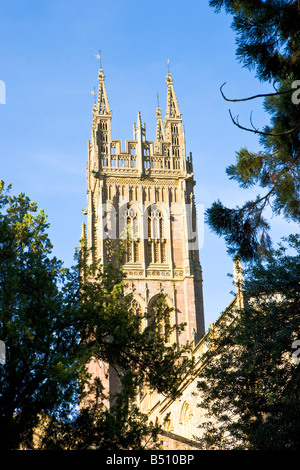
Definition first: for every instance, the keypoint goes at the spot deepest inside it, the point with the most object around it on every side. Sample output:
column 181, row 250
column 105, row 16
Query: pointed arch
column 185, row 420
column 161, row 314
column 156, row 234
column 129, row 230
column 136, row 309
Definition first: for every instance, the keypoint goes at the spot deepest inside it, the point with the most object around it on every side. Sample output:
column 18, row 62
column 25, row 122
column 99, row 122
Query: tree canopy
column 36, row 324
column 54, row 321
column 249, row 383
column 268, row 41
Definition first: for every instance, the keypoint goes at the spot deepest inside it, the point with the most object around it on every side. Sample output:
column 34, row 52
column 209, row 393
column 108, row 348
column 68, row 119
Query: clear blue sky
column 49, row 67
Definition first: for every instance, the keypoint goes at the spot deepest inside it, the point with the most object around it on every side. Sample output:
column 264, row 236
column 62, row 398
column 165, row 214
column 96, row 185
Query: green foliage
column 55, row 323
column 268, row 40
column 267, row 35
column 133, row 347
column 247, row 169
column 250, row 379
column 36, row 325
column 244, row 230
column 128, row 340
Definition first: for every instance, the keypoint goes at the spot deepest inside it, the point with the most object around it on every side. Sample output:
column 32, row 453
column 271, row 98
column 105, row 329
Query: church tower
column 148, row 187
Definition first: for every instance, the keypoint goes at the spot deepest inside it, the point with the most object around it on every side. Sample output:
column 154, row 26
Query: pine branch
column 265, row 199
column 262, row 95
column 256, row 131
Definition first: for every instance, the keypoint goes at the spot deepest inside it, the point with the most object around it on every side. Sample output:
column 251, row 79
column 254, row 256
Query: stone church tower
column 148, row 187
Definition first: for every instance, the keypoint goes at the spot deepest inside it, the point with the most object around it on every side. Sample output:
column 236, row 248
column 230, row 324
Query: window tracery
column 130, row 225
column 156, row 236
column 159, row 317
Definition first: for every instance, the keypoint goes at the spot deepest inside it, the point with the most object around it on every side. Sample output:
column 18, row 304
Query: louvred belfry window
column 156, row 237
column 130, row 229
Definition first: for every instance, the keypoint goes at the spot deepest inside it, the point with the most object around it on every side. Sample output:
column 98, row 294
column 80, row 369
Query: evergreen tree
column 54, row 321
column 135, row 348
column 268, row 40
column 127, row 339
column 249, row 383
column 39, row 376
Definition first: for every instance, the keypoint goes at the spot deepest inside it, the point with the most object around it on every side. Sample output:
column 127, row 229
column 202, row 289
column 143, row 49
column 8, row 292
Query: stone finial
column 160, row 131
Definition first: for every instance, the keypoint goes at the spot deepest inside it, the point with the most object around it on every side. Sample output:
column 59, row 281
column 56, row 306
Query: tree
column 249, row 382
column 268, row 40
column 37, row 326
column 54, row 321
column 136, row 351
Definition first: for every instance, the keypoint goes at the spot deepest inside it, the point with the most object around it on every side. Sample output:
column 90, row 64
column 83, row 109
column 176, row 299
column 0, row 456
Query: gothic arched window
column 174, row 128
column 129, row 229
column 133, row 162
column 103, row 149
column 135, row 307
column 176, row 164
column 156, row 236
column 160, row 319
column 103, row 125
column 186, row 419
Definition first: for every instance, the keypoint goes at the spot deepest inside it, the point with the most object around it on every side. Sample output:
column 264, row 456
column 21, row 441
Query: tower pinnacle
column 103, row 105
column 160, row 130
column 172, row 103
